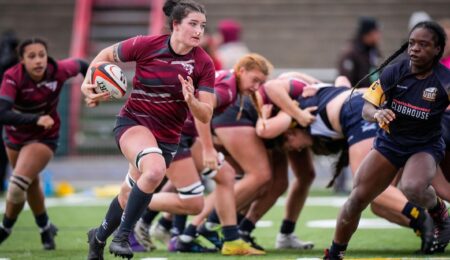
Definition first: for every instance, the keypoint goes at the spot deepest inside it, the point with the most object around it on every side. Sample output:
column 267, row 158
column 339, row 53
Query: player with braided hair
column 408, row 102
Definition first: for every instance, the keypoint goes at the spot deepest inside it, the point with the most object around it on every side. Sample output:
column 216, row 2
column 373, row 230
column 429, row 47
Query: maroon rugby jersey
column 295, row 90
column 157, row 100
column 36, row 98
column 225, row 89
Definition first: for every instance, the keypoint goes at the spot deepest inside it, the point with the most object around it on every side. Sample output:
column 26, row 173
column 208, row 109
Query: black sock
column 415, row 214
column 230, row 233
column 287, row 227
column 166, row 223
column 178, row 223
column 111, row 221
column 337, row 250
column 8, row 222
column 240, row 217
column 439, row 212
column 189, row 233
column 148, row 216
column 41, row 220
column 137, row 202
column 213, row 217
column 191, row 230
column 246, row 226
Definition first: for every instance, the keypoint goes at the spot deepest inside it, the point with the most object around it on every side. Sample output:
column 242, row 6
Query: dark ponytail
column 384, row 64
column 177, row 10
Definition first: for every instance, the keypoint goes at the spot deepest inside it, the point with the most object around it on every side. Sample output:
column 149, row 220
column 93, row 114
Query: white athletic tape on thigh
column 194, row 190
column 129, row 180
column 145, row 152
column 210, row 173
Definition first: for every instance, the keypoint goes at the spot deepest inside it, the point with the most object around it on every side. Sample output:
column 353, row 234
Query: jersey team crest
column 429, row 94
column 187, row 65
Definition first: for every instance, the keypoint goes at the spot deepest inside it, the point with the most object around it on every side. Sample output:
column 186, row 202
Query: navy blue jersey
column 323, row 96
column 417, row 103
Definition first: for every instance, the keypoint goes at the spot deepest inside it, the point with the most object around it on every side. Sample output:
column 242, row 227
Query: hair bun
column 169, row 5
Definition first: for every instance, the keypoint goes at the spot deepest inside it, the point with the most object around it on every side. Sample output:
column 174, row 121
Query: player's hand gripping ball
column 109, row 78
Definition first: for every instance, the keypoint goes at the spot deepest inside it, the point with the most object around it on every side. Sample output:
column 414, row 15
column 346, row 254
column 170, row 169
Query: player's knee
column 226, row 176
column 356, row 203
column 308, row 177
column 193, row 193
column 259, row 179
column 17, row 189
column 154, row 176
column 412, row 191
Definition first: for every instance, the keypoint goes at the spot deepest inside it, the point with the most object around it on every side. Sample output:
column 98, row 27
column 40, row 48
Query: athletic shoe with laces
column 328, row 256
column 134, row 244
column 212, row 236
column 427, row 235
column 95, row 247
column 142, row 235
column 48, row 237
column 442, row 233
column 250, row 239
column 191, row 247
column 291, row 241
column 4, row 233
column 239, row 247
column 160, row 233
column 120, row 246
column 172, row 247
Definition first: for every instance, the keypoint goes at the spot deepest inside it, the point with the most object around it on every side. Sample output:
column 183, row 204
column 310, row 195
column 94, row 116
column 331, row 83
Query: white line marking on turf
column 333, row 201
column 264, row 223
column 364, row 223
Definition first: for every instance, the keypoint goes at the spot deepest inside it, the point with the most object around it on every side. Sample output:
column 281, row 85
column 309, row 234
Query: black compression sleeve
column 9, row 117
column 83, row 66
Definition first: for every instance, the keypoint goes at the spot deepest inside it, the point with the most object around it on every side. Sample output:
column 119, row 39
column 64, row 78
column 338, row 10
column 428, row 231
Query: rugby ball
column 109, row 78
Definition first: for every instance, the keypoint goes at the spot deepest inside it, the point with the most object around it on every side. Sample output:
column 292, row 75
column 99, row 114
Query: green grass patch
column 74, row 222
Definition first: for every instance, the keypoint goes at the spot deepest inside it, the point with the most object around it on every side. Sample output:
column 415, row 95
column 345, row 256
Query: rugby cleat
column 48, row 237
column 95, row 247
column 4, row 233
column 212, row 236
column 427, row 235
column 291, row 241
column 160, row 233
column 142, row 235
column 328, row 256
column 250, row 239
column 120, row 246
column 239, row 247
column 176, row 245
column 442, row 233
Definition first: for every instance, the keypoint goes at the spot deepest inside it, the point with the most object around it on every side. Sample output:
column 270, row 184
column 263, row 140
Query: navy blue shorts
column 229, row 117
column 354, row 127
column 398, row 154
column 184, row 148
column 124, row 123
column 445, row 123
